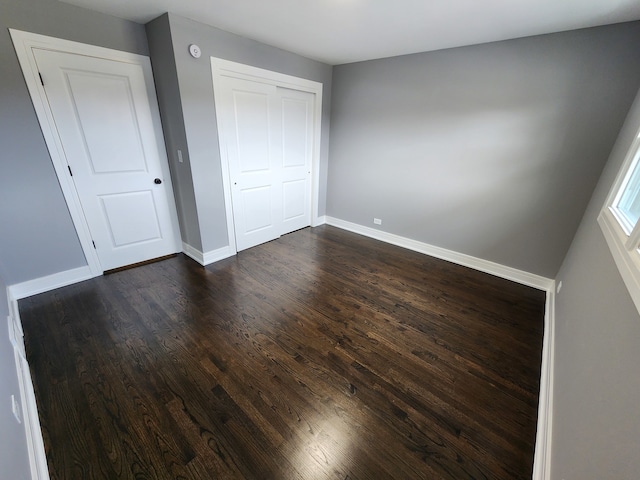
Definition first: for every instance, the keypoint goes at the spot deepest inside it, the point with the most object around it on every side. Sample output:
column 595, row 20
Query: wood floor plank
column 322, row 354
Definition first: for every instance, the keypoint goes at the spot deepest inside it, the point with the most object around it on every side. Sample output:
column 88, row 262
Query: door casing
column 224, row 68
column 24, row 43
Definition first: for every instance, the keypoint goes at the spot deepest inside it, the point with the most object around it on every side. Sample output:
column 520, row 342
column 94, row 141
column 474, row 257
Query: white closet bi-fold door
column 268, row 133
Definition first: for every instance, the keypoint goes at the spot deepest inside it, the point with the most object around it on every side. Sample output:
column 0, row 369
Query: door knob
column 157, row 181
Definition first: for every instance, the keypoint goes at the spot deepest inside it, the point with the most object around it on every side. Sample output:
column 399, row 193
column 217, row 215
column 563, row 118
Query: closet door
column 268, row 133
column 250, row 125
column 296, row 145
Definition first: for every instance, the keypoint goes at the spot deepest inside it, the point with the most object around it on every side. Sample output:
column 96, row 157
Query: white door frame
column 24, row 43
column 225, row 68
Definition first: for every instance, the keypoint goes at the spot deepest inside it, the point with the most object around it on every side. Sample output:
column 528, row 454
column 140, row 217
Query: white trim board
column 225, row 68
column 321, row 221
column 207, row 258
column 62, row 279
column 502, row 271
column 31, row 420
column 50, row 282
column 542, row 455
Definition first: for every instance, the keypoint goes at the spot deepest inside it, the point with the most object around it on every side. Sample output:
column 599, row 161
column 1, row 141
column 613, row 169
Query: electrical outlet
column 377, row 221
column 15, row 408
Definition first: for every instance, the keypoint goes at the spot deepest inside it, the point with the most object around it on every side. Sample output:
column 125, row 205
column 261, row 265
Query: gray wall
column 596, row 422
column 170, row 104
column 490, row 150
column 37, row 237
column 196, row 94
column 14, row 459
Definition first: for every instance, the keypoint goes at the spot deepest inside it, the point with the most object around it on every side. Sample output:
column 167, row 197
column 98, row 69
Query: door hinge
column 41, row 80
column 94, row 245
column 70, row 172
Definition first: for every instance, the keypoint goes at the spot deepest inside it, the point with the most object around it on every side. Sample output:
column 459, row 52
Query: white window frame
column 624, row 239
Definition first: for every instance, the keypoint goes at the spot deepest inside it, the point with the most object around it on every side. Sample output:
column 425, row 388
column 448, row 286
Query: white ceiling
column 344, row 31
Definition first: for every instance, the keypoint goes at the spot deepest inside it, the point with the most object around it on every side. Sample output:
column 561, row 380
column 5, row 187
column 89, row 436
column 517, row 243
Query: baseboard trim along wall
column 207, row 258
column 542, row 456
column 50, row 282
column 502, row 271
column 26, row 289
column 321, row 220
column 31, row 421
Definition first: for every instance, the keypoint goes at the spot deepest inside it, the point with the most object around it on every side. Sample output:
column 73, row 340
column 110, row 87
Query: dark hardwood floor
column 323, row 354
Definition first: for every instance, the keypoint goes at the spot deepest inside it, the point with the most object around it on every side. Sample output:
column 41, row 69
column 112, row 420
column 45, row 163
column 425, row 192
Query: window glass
column 628, row 204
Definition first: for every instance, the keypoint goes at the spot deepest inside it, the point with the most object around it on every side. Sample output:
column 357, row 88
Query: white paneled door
column 268, row 132
column 104, row 119
column 296, row 144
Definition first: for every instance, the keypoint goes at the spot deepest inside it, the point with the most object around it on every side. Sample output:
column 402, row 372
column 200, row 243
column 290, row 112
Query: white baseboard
column 542, row 457
column 50, row 282
column 319, row 221
column 31, row 420
column 217, row 255
column 68, row 277
column 502, row 271
column 207, row 258
column 193, row 253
